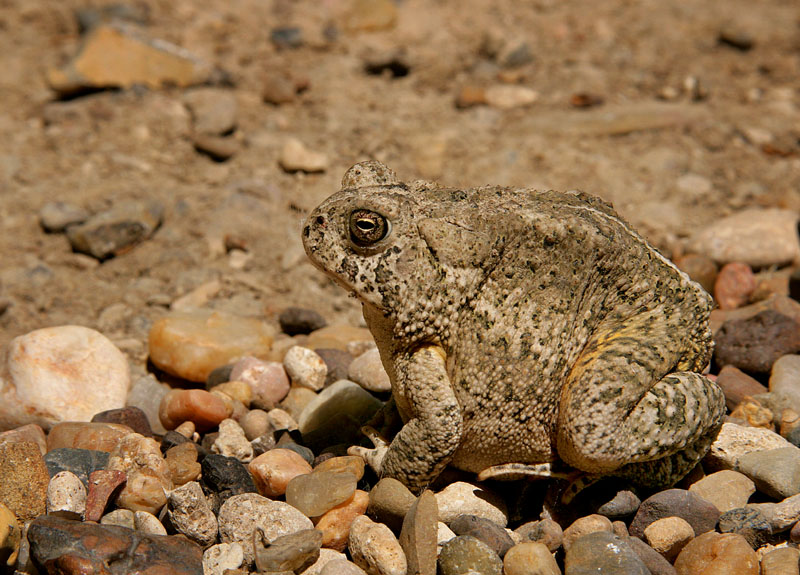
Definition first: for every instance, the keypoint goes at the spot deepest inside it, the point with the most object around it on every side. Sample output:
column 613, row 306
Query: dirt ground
column 697, row 116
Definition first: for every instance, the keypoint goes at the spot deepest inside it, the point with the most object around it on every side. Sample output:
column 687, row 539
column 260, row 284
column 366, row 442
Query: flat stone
column 375, row 549
column 726, row 489
column 783, row 379
column 781, row 561
column 130, row 416
column 734, row 441
column 775, row 472
column 466, row 554
column 699, row 513
column 781, row 516
column 316, row 493
column 81, row 462
column 218, row 148
column 23, row 488
column 747, row 522
column 294, row 552
column 86, row 435
column 343, row 397
column 341, row 567
column 30, row 432
column 389, row 502
column 717, row 553
column 602, row 552
column 419, row 533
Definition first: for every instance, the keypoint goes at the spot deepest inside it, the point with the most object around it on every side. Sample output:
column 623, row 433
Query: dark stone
column 602, row 552
column 286, row 37
column 221, row 374
column 171, row 439
column 337, row 362
column 794, row 285
column 392, row 64
column 702, row 515
column 218, row 148
column 651, row 558
column 753, row 344
column 81, row 462
column 738, row 39
column 293, row 552
column 747, row 522
column 298, row 320
column 341, row 428
column 301, row 450
column 624, row 504
column 64, row 547
column 226, row 476
column 484, row 529
column 131, row 416
column 546, row 531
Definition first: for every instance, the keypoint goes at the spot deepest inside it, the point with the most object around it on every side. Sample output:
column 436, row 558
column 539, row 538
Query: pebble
column 23, row 488
column 461, row 498
column 298, row 320
column 143, row 491
column 190, row 514
column 294, row 552
column 342, row 397
column 347, row 338
column 182, row 462
column 509, row 96
column 624, row 504
column 148, row 523
column 747, row 522
column 602, row 552
column 781, row 516
column 213, row 110
column 755, row 343
column 218, row 148
column 694, row 185
column 389, row 502
column 148, row 474
column 668, row 536
column 736, row 385
column 223, row 556
column 204, row 409
column 81, row 462
column 30, row 432
column 652, row 559
column 272, row 471
column 752, row 413
column 58, row 541
column 735, row 440
column 191, row 344
column 57, row 216
column 10, row 536
column 232, row 441
column 583, row 526
column 726, row 489
column 119, row 517
column 335, row 523
column 734, row 286
column 116, row 230
column 781, row 561
column 80, row 435
column 66, row 496
column 530, row 558
column 338, row 363
column 255, row 423
column 757, row 237
column 278, row 87
column 114, row 56
column 735, row 37
column 419, row 535
column 267, row 380
column 64, row 373
column 345, row 463
column 784, row 377
column 242, row 514
column 326, row 556
column 370, row 15
column 238, row 391
column 226, row 476
column 487, row 531
column 146, row 394
column 368, row 372
column 318, row 492
column 775, row 472
column 546, row 531
column 699, row 513
column 700, row 268
column 341, row 567
column 466, row 554
column 717, row 553
column 305, row 367
column 295, row 157
column 131, row 416
column 375, row 549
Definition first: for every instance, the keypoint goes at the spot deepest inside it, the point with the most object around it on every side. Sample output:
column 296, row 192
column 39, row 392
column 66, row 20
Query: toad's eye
column 367, row 227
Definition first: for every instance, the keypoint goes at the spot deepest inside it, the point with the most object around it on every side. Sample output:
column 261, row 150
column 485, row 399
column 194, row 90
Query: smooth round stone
column 466, row 554
column 775, row 472
column 735, row 283
column 461, row 498
column 754, row 344
column 305, row 367
column 285, row 442
column 182, row 462
column 130, row 416
column 298, row 320
column 780, row 561
column 236, row 390
column 335, row 523
column 268, row 381
column 338, row 337
column 79, row 435
column 190, row 514
column 420, row 533
column 701, row 269
column 297, row 400
column 65, row 373
column 389, row 501
column 66, row 496
column 120, row 518
column 273, row 470
column 191, row 344
column 232, row 441
column 23, row 479
column 342, row 567
column 318, row 492
column 293, row 553
column 530, row 558
column 602, row 552
column 737, row 385
column 783, row 378
column 148, row 523
column 726, row 489
column 226, row 476
column 699, row 513
column 30, row 432
column 341, row 398
column 668, row 536
column 223, row 556
column 349, row 463
column 717, row 553
column 368, row 372
column 337, row 361
column 146, row 393
column 585, row 525
column 255, row 423
column 295, row 157
column 375, row 549
column 747, row 522
column 10, row 536
column 487, row 531
column 81, row 462
column 200, row 407
column 57, row 216
column 241, row 515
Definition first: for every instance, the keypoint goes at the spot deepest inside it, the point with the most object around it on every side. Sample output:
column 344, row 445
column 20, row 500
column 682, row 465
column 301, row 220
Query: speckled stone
column 190, row 514
column 418, row 536
column 221, row 557
column 755, row 343
column 341, row 567
column 717, row 553
column 375, row 549
column 232, row 441
column 602, row 552
column 66, row 496
column 699, row 513
column 30, row 432
column 294, row 552
column 23, row 488
column 305, row 367
column 583, row 526
column 226, row 476
column 466, row 554
column 546, row 531
column 748, row 522
column 735, row 440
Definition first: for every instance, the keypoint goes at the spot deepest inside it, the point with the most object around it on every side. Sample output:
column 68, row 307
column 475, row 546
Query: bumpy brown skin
column 520, row 326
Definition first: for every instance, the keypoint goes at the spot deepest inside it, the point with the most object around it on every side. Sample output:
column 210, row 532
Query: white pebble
column 222, row 556
column 305, row 367
column 462, row 498
column 66, row 496
column 191, row 514
column 375, row 548
column 368, row 372
column 148, row 523
column 232, row 441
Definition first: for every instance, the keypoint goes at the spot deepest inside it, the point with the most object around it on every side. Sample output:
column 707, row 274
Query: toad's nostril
column 320, row 220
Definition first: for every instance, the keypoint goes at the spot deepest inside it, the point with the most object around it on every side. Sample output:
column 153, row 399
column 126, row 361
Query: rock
column 64, row 373
column 278, row 87
column 389, row 502
column 546, row 531
column 624, row 504
column 202, row 408
column 63, row 546
column 267, row 380
column 295, row 157
column 700, row 268
column 668, row 536
column 419, row 535
column 30, row 432
column 213, row 110
column 781, row 561
column 286, row 37
column 148, row 523
column 223, row 556
column 226, row 476
column 469, row 96
column 79, row 435
column 734, row 441
column 273, row 470
column 346, row 463
column 530, row 558
column 375, row 549
column 461, row 498
column 191, row 344
column 775, row 472
column 699, row 513
column 754, row 344
column 294, row 552
column 336, row 522
column 370, row 15
column 182, row 462
column 343, row 397
column 146, row 394
column 57, row 216
column 130, row 416
column 114, row 56
column 90, row 17
column 117, row 230
column 747, row 522
column 148, row 474
column 717, row 553
column 735, row 38
column 241, row 515
column 81, row 462
column 338, row 363
column 255, row 423
column 783, row 378
column 23, row 488
column 483, row 529
column 298, row 320
column 232, row 442
column 342, row 337
column 326, row 556
column 368, row 372
column 305, row 368
column 651, row 558
column 341, row 567
column 734, row 286
column 466, row 554
column 725, row 489
column 602, row 552
column 10, row 536
column 190, row 514
column 753, row 414
column 316, row 493
column 757, row 237
column 508, row 96
column 583, row 526
column 736, row 385
column 236, row 390
column 66, row 496
column 218, row 148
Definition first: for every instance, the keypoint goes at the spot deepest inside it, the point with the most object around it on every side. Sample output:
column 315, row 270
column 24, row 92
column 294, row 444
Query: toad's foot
column 373, row 457
column 516, row 471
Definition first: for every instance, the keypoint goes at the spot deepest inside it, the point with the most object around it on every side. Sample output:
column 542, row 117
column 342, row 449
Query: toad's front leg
column 432, row 431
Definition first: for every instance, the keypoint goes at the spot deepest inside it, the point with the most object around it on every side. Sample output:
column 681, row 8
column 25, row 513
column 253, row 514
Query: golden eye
column 367, row 227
